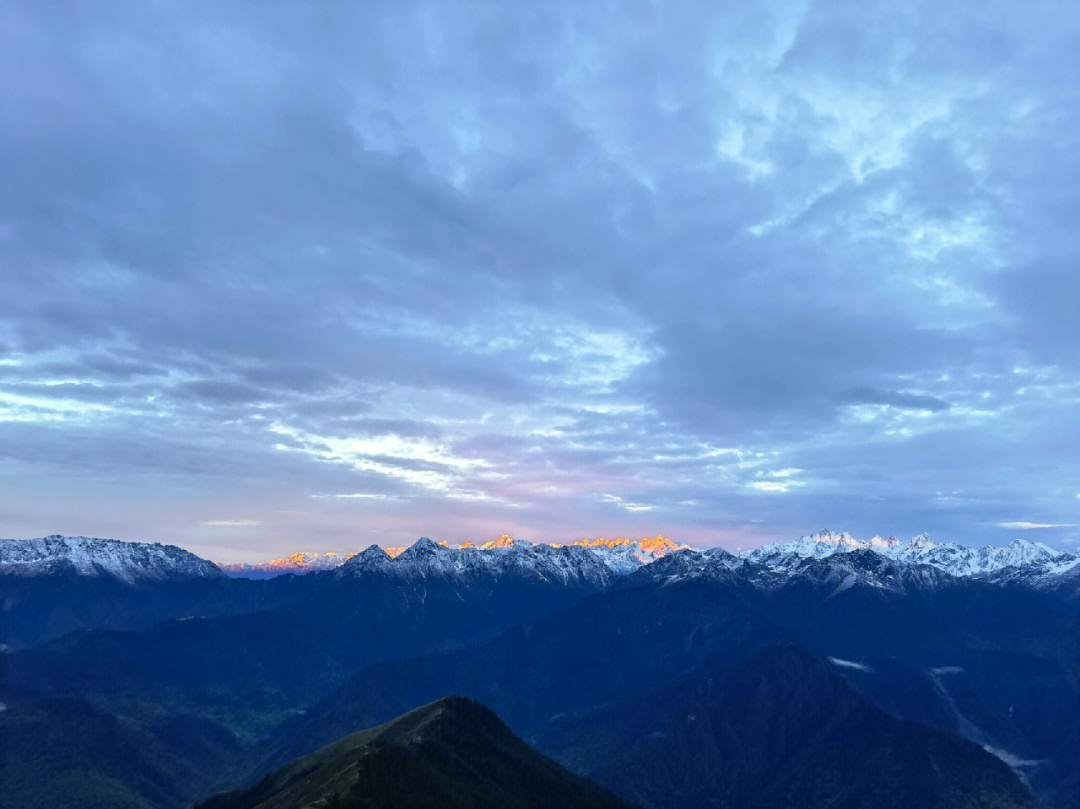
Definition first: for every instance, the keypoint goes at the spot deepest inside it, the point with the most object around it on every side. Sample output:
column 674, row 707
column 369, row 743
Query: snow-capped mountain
column 714, row 564
column 1019, row 559
column 620, row 556
column 836, row 571
column 299, row 563
column 626, row 555
column 1019, row 555
column 866, row 568
column 85, row 556
column 425, row 559
column 817, row 546
column 597, row 563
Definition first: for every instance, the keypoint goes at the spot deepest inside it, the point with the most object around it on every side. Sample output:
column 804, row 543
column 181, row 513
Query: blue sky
column 283, row 276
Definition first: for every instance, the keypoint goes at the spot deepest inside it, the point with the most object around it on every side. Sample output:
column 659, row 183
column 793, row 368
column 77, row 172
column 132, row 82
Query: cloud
column 356, row 496
column 551, row 271
column 910, row 401
column 769, row 486
column 629, row 506
column 1023, row 525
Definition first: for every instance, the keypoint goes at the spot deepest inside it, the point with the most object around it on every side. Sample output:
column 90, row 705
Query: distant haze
column 281, row 278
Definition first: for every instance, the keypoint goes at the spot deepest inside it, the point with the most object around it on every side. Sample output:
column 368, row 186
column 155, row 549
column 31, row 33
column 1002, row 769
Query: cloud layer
column 279, row 277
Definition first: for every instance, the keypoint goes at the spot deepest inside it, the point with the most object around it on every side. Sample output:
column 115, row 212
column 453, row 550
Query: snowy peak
column 1021, row 552
column 503, row 541
column 827, row 537
column 625, row 556
column 425, row 557
column 422, row 550
column 867, row 567
column 814, row 546
column 877, row 562
column 714, row 564
column 921, row 543
column 499, row 559
column 957, row 560
column 129, row 562
column 297, row 563
column 960, row 560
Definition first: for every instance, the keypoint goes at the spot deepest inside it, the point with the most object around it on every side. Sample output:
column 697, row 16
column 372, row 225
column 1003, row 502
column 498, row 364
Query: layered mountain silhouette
column 216, row 682
column 61, row 584
column 452, row 754
column 63, row 752
column 1008, row 655
column 783, row 729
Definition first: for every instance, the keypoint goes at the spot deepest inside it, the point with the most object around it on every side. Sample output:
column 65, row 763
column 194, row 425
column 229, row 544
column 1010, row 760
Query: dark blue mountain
column 451, row 754
column 781, row 729
column 542, row 635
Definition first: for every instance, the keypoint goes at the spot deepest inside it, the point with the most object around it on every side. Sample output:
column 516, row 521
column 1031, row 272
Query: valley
column 791, row 673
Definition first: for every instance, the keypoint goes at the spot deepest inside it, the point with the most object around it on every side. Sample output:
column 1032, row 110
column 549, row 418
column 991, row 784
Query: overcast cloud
column 277, row 276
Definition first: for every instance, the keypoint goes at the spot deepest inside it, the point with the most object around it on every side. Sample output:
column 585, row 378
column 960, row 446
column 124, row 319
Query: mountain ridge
column 453, row 753
column 599, row 562
column 130, row 562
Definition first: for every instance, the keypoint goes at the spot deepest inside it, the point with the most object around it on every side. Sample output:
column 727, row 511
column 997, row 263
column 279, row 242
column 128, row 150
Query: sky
column 311, row 276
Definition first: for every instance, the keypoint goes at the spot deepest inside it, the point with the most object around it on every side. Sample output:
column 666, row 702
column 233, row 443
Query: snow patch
column 851, row 664
column 1012, row 760
column 846, row 584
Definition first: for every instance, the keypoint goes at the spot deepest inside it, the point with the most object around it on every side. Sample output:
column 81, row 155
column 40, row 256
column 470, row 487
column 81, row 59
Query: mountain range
column 622, row 555
column 134, row 562
column 586, row 652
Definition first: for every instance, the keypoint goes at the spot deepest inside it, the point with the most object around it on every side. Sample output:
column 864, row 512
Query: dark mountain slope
column 606, row 648
column 124, row 586
column 452, row 753
column 57, row 753
column 783, row 729
column 250, row 671
column 38, row 609
column 628, row 642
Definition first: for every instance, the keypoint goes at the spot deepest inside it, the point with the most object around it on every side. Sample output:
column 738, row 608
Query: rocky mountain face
column 129, row 562
column 1019, row 560
column 1024, row 561
column 596, row 562
column 123, row 585
column 426, row 560
column 621, row 556
column 298, row 563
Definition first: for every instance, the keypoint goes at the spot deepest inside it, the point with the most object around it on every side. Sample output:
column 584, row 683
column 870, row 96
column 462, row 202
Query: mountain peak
column 300, row 562
column 922, row 542
column 423, row 550
column 1031, row 558
column 504, row 541
column 1039, row 547
column 129, row 562
column 440, row 754
column 452, row 713
column 373, row 558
